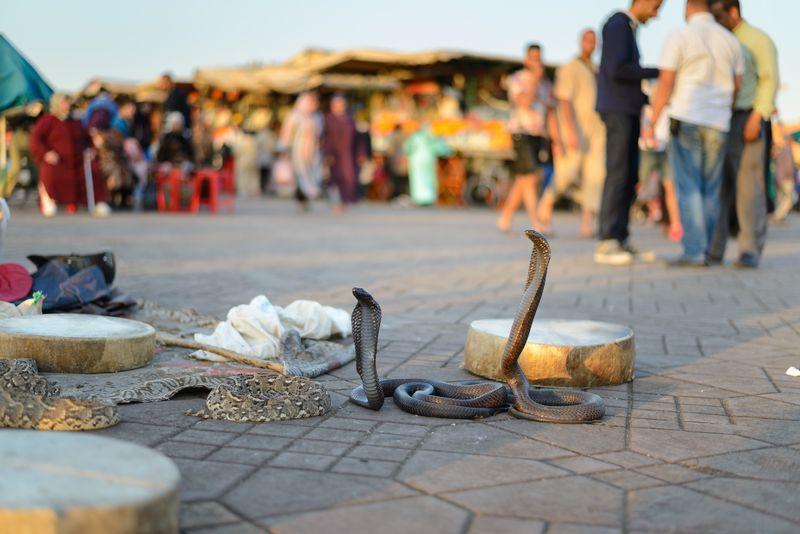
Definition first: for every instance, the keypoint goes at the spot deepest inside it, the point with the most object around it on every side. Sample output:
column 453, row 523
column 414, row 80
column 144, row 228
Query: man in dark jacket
column 177, row 100
column 619, row 101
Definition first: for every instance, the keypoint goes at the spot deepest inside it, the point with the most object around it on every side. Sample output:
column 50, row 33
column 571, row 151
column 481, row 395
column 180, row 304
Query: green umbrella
column 20, row 84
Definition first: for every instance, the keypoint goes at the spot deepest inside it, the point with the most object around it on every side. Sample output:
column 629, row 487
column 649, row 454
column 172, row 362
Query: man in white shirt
column 701, row 69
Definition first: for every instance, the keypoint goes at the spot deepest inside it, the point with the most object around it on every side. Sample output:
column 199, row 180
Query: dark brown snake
column 473, row 399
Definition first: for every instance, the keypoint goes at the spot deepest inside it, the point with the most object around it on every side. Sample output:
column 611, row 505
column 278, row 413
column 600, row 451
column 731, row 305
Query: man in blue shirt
column 620, row 100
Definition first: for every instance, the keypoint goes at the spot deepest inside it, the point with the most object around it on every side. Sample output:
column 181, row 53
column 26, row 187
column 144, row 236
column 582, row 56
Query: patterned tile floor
column 706, row 438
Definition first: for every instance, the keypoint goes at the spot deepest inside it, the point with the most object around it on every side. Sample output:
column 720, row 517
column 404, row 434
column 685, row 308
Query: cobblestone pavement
column 705, row 438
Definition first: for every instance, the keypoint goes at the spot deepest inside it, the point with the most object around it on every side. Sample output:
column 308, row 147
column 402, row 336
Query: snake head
column 363, row 297
column 535, row 236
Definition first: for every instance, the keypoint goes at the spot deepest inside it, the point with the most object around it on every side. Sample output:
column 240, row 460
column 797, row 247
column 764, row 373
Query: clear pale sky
column 74, row 41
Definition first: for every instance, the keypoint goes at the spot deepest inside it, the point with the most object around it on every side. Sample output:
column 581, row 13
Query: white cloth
column 705, row 57
column 256, row 329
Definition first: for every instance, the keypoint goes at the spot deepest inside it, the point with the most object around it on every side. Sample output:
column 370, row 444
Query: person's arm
column 768, row 78
column 618, row 45
column 40, row 148
column 552, row 130
column 666, row 84
column 764, row 105
column 564, row 92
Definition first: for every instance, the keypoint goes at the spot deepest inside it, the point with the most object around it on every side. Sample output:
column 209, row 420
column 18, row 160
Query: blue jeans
column 696, row 155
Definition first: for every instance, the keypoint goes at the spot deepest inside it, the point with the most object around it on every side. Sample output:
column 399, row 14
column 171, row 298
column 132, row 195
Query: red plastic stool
column 211, row 199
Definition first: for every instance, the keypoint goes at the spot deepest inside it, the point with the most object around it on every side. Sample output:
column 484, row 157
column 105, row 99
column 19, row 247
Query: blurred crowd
column 688, row 144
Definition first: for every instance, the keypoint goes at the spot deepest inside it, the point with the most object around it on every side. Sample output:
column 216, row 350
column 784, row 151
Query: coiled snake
column 474, row 399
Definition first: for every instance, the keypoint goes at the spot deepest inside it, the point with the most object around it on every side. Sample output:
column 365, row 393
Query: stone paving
column 705, row 438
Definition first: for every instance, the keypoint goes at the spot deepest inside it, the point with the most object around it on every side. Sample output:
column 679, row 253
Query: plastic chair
column 168, row 182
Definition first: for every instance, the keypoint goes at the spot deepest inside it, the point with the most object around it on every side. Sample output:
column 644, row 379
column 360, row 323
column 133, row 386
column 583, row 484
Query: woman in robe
column 340, row 147
column 423, row 150
column 58, row 143
column 300, row 137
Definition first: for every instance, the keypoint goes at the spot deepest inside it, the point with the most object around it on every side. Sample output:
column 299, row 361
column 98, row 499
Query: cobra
column 473, row 399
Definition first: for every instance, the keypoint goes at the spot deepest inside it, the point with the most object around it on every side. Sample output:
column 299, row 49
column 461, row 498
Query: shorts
column 654, row 169
column 527, row 153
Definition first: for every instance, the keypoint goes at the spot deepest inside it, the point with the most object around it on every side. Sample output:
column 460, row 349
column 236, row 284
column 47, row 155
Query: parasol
column 20, row 84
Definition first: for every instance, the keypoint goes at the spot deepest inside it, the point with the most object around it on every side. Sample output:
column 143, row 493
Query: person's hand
column 649, row 135
column 557, row 148
column 571, row 139
column 752, row 129
column 51, row 157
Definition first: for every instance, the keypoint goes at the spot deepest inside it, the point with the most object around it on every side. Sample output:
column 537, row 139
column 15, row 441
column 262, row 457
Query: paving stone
column 779, row 463
column 674, row 445
column 478, row 438
column 267, row 492
column 348, row 424
column 401, row 429
column 429, row 515
column 279, row 430
column 333, row 434
column 366, row 466
column 317, row 462
column 259, row 441
column 205, row 480
column 170, row 413
column 584, row 439
column 769, row 430
column 583, row 464
column 205, row 436
column 568, row 499
column 628, row 480
column 765, row 408
column 238, row 455
column 626, row 459
column 205, row 514
column 505, row 525
column 180, row 449
column 775, row 497
column 222, row 426
column 567, row 528
column 392, row 440
column 674, row 508
column 675, row 474
column 309, row 446
column 138, row 433
column 379, row 453
column 240, row 527
column 436, row 472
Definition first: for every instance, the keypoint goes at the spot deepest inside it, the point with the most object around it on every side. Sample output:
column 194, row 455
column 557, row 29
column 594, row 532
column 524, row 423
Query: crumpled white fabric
column 256, row 329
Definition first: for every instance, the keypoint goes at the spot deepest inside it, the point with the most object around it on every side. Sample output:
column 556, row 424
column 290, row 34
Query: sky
column 72, row 42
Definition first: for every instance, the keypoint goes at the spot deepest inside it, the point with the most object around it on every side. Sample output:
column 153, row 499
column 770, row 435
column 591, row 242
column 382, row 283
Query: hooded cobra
column 474, row 399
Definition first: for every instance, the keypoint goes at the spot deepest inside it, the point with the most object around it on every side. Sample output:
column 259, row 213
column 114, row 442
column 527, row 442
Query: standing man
column 743, row 187
column 583, row 134
column 619, row 101
column 701, row 70
column 176, row 100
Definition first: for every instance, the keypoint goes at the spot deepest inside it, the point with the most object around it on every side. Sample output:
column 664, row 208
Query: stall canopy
column 142, row 91
column 366, row 69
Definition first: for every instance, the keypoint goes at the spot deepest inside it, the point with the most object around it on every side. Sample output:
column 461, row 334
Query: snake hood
column 366, row 320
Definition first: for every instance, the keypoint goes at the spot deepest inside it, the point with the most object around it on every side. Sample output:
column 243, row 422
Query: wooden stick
column 235, row 356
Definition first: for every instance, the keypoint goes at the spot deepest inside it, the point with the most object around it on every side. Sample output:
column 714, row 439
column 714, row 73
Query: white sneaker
column 101, row 209
column 610, row 252
column 644, row 256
